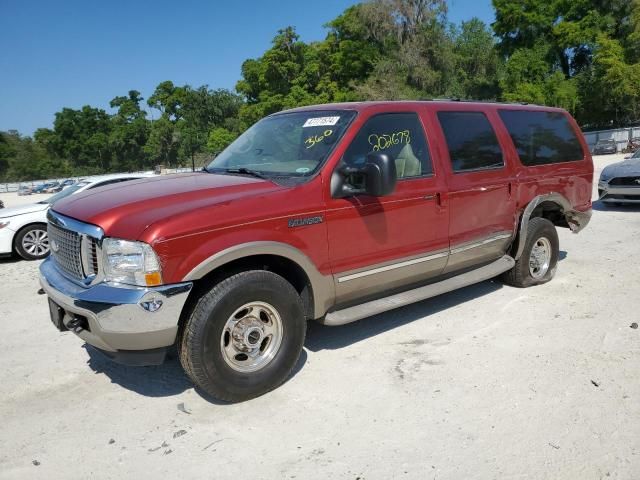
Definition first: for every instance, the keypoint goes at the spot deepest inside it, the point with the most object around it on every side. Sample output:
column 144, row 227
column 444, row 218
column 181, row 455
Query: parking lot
column 485, row 382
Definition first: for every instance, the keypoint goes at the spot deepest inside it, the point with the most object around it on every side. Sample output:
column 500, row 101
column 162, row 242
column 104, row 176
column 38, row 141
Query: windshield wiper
column 246, row 171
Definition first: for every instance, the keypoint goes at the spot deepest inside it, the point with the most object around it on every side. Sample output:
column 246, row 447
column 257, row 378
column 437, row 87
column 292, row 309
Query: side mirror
column 380, row 175
column 377, row 177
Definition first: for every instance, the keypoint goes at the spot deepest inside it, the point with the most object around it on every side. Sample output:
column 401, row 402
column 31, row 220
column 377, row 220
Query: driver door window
column 399, row 135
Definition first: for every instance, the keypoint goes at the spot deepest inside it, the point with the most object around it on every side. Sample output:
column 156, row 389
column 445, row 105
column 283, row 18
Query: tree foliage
column 582, row 55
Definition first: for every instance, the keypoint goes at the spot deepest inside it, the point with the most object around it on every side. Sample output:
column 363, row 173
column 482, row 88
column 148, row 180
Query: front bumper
column 111, row 317
column 6, row 239
column 618, row 194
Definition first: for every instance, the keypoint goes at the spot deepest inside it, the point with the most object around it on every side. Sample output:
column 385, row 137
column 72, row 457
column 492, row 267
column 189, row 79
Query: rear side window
column 542, row 138
column 471, row 140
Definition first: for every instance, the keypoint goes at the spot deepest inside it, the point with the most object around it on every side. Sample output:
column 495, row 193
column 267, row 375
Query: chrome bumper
column 115, row 317
column 617, row 191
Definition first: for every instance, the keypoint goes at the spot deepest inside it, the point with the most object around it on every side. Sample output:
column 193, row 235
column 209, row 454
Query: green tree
column 219, row 139
column 163, row 143
column 129, row 134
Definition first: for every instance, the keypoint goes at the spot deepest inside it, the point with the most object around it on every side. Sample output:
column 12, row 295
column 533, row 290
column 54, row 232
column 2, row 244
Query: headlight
column 133, row 263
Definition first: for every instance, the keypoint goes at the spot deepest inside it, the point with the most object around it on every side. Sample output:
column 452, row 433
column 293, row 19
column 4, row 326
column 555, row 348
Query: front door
column 381, row 243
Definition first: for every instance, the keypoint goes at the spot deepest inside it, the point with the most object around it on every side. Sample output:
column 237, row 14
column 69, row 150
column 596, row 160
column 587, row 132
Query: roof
column 362, row 106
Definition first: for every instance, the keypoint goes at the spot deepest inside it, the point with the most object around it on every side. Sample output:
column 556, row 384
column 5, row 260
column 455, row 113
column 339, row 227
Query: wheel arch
column 555, row 208
column 317, row 290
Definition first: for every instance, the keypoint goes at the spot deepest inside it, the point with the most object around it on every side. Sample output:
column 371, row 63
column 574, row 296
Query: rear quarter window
column 542, row 138
column 471, row 141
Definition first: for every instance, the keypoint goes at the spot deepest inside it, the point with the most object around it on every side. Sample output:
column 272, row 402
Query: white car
column 23, row 229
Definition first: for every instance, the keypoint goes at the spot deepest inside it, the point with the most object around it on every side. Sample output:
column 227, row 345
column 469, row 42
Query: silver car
column 620, row 182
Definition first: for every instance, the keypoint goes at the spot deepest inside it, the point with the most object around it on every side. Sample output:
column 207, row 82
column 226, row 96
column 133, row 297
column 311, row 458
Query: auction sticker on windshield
column 321, row 121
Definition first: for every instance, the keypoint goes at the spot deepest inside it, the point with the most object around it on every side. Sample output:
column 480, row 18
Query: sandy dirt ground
column 482, row 383
column 13, row 199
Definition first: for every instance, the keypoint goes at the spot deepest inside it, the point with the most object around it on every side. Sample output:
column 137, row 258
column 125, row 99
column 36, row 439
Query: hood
column 23, row 209
column 626, row 168
column 126, row 209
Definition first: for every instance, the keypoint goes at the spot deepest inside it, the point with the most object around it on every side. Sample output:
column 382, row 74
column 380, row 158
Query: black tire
column 520, row 275
column 27, row 232
column 200, row 350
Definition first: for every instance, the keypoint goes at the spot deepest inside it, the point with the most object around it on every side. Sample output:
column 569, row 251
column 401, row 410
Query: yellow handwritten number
column 388, row 140
column 311, row 141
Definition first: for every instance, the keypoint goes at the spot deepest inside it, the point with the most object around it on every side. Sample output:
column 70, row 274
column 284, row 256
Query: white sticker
column 302, row 170
column 321, row 122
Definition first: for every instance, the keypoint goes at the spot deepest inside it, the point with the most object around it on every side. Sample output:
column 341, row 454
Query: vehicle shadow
column 601, row 206
column 169, row 379
column 321, row 337
column 9, row 258
column 164, row 380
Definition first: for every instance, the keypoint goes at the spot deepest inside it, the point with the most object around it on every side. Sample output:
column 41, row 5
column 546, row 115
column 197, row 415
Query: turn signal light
column 153, row 279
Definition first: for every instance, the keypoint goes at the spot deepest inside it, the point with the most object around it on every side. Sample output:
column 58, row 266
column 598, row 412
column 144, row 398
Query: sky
column 71, row 53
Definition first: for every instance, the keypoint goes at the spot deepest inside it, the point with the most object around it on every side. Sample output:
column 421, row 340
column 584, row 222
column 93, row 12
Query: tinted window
column 471, row 140
column 542, row 137
column 399, row 135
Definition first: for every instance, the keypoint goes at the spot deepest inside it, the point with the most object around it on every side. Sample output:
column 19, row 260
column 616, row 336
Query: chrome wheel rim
column 540, row 258
column 251, row 337
column 36, row 243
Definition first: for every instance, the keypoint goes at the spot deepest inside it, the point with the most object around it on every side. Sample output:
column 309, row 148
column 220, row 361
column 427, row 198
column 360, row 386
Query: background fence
column 620, row 135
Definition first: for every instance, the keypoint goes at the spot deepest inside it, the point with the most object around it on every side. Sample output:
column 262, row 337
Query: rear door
column 480, row 183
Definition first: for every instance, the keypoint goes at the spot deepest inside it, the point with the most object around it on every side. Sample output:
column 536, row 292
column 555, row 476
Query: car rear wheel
column 244, row 336
column 32, row 242
column 537, row 264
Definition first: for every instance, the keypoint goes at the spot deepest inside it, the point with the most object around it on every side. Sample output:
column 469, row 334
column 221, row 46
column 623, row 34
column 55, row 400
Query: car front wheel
column 32, row 242
column 244, row 336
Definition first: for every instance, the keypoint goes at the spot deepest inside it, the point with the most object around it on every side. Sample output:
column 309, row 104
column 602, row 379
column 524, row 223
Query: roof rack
column 469, row 100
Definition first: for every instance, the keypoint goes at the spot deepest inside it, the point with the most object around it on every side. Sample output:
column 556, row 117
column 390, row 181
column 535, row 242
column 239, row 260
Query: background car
column 39, row 188
column 67, row 183
column 23, row 229
column 633, row 145
column 25, row 190
column 1, row 204
column 605, row 147
column 620, row 182
column 54, row 187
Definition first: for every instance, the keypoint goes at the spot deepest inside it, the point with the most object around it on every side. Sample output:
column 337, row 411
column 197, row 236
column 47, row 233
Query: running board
column 358, row 312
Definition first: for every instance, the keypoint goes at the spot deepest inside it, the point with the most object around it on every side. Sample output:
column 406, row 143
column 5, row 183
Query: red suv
column 330, row 213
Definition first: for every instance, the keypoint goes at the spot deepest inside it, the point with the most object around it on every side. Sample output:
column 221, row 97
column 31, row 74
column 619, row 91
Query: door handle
column 487, row 189
column 436, row 197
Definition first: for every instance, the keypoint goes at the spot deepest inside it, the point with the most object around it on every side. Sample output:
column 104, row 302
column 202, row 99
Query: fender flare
column 575, row 219
column 322, row 286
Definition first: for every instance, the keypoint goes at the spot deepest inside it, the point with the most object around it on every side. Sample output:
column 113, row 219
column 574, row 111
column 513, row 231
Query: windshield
column 65, row 193
column 288, row 144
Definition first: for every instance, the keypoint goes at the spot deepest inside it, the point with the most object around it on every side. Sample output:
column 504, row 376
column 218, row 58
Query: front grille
column 92, row 256
column 615, row 196
column 625, row 181
column 65, row 249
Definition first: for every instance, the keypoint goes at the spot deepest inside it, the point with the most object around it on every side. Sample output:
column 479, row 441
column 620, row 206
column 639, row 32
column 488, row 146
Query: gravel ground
column 486, row 382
